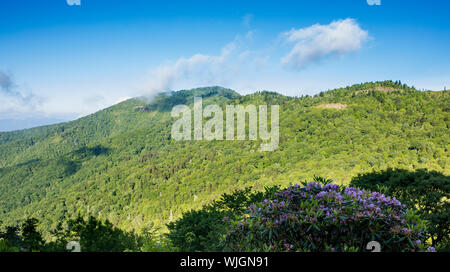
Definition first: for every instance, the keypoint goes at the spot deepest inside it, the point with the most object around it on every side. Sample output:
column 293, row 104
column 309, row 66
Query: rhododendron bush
column 317, row 217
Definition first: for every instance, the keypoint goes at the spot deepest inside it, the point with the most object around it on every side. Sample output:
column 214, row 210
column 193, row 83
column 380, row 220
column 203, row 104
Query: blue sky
column 61, row 61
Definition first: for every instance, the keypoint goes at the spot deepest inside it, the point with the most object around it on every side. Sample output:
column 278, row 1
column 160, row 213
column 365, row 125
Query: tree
column 31, row 238
column 96, row 236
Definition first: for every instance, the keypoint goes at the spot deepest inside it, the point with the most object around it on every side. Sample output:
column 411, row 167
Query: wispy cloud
column 6, row 83
column 13, row 100
column 237, row 65
column 317, row 42
column 197, row 70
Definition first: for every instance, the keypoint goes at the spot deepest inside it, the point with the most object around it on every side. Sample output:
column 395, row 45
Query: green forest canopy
column 121, row 165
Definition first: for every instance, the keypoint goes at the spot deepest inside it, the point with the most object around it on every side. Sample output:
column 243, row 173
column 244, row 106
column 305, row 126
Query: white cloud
column 319, row 41
column 14, row 99
column 196, row 70
column 73, row 2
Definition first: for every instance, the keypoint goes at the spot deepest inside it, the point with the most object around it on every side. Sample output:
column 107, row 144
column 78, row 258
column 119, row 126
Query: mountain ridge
column 121, row 164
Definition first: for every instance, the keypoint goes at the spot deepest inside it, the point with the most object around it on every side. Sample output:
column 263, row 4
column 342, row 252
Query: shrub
column 428, row 191
column 196, row 230
column 201, row 230
column 326, row 218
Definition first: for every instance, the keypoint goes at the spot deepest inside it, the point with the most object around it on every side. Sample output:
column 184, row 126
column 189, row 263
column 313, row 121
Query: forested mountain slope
column 121, row 164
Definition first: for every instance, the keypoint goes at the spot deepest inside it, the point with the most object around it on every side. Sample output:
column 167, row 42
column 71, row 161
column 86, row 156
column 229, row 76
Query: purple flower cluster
column 321, row 218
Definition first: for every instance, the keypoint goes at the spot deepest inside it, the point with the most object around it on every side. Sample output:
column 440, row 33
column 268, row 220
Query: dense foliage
column 429, row 192
column 23, row 238
column 90, row 233
column 326, row 218
column 201, row 230
column 95, row 236
column 315, row 217
column 121, row 165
